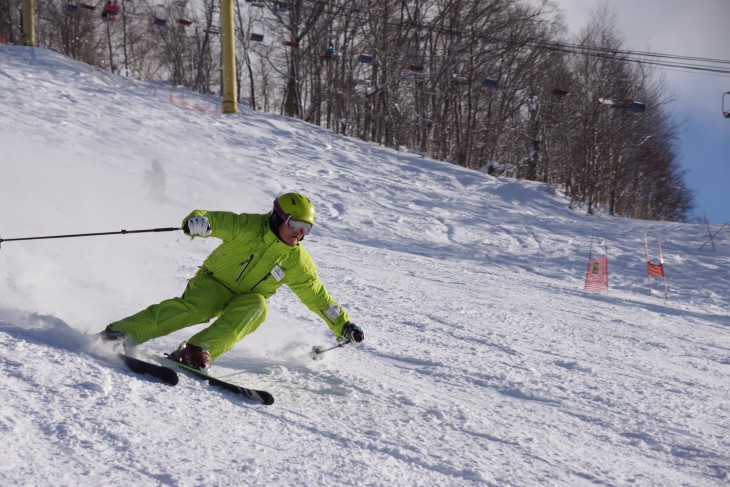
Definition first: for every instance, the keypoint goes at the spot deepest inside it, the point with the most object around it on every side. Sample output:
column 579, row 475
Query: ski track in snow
column 485, row 362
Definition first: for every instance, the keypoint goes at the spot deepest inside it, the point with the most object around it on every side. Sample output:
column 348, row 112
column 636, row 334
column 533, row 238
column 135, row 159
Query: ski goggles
column 298, row 226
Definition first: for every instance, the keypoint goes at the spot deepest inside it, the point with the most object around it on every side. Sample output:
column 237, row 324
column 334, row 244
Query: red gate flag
column 655, row 269
column 597, row 274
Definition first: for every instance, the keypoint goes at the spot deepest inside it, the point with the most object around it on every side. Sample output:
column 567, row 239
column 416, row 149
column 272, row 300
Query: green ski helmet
column 294, row 205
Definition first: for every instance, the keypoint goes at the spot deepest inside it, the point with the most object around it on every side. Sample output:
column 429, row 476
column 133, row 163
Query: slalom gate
column 655, row 269
column 597, row 271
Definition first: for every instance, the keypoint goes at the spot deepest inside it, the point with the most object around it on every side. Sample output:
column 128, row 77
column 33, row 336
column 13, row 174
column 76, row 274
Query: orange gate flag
column 656, row 270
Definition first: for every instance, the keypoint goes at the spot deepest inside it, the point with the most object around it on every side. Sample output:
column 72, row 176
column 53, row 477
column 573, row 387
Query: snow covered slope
column 484, row 363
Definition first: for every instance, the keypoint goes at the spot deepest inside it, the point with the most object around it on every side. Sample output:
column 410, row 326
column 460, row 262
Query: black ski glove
column 353, row 333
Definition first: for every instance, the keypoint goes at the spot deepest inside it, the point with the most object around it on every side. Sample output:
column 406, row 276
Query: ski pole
column 317, row 351
column 121, row 232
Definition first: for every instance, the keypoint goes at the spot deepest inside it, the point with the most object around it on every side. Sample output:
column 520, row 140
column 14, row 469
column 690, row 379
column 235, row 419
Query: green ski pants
column 203, row 299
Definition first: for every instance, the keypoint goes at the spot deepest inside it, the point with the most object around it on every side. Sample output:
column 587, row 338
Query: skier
column 259, row 253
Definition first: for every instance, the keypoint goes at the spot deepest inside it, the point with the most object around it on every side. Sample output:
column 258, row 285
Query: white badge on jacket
column 277, row 273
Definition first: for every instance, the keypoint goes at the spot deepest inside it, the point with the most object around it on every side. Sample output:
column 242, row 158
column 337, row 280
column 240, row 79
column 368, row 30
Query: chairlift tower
column 28, row 11
column 228, row 42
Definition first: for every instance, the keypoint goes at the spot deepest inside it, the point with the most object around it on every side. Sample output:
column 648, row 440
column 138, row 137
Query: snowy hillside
column 485, row 362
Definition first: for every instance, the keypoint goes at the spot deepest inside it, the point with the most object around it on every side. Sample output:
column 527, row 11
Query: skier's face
column 289, row 236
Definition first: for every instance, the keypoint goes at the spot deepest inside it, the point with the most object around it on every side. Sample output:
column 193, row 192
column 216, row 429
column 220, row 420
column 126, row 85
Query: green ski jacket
column 252, row 259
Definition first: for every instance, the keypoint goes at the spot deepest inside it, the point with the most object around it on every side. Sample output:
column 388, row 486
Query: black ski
column 260, row 396
column 165, row 374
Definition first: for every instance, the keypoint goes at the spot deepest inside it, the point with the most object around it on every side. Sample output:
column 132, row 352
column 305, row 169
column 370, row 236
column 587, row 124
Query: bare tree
column 71, row 30
column 479, row 83
column 10, row 21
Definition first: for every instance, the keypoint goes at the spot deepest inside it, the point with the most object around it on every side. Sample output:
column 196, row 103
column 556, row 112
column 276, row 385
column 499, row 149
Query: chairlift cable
column 633, row 56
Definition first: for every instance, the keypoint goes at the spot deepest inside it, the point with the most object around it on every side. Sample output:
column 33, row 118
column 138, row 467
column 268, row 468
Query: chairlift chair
column 365, row 58
column 111, row 10
column 460, row 78
column 331, row 51
column 159, row 20
column 559, row 92
column 489, row 83
column 637, row 107
column 630, row 105
column 130, row 13
column 613, row 103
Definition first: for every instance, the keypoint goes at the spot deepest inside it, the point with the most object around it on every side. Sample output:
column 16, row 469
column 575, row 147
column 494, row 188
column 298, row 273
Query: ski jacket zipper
column 262, row 280
column 244, row 265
